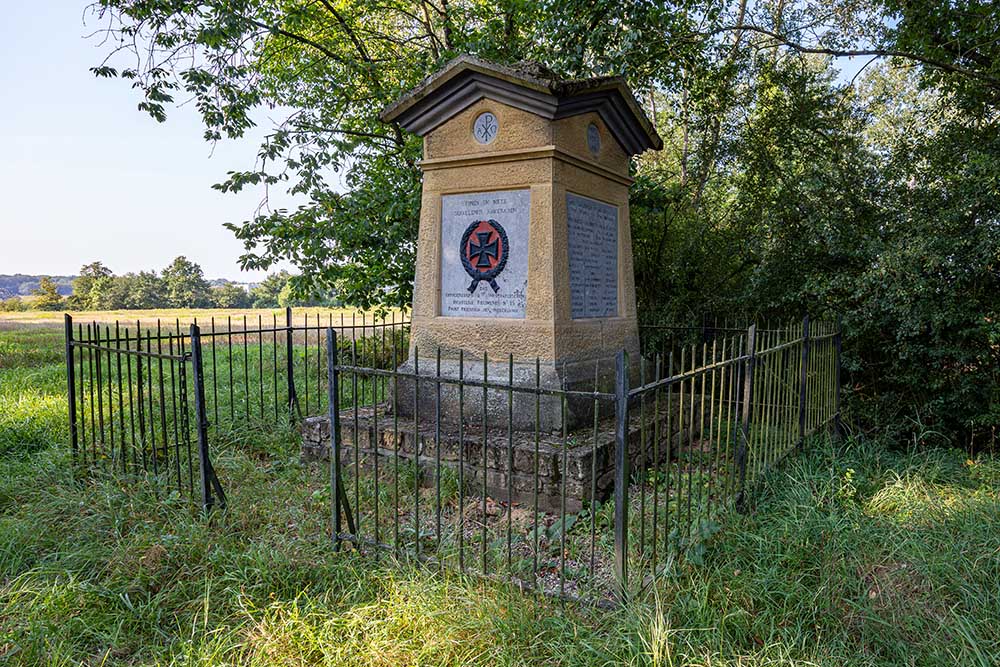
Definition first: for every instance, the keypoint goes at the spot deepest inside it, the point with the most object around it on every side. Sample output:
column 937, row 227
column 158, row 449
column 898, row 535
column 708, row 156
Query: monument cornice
column 466, row 80
column 523, row 154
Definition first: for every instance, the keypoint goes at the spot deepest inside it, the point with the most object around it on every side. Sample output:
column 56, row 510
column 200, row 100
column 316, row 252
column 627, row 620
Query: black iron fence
column 589, row 492
column 152, row 399
column 433, row 465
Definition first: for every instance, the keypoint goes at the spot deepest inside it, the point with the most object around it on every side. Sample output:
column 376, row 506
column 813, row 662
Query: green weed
column 853, row 555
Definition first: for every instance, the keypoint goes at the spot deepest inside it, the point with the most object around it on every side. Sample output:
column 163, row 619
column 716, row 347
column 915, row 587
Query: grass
column 854, row 554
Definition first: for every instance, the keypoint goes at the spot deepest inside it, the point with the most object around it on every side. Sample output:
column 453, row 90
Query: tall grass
column 852, row 555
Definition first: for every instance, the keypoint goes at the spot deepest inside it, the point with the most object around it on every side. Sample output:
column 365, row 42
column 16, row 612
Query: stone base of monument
column 547, row 410
column 584, row 465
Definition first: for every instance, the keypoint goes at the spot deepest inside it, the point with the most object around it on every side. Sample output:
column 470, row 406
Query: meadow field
column 182, row 316
column 853, row 554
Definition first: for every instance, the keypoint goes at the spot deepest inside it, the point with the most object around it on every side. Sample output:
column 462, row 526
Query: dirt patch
column 898, row 593
column 152, row 559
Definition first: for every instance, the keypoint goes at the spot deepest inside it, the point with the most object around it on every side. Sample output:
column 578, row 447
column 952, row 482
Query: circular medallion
column 593, row 139
column 485, row 128
column 484, row 252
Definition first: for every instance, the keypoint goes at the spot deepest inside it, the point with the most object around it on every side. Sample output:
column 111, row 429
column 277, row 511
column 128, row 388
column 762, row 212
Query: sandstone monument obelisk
column 524, row 247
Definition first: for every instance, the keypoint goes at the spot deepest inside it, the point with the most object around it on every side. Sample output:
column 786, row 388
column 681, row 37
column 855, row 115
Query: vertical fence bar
column 437, row 448
column 838, row 428
column 333, row 414
column 669, row 457
column 305, row 361
column 642, row 458
column 744, row 408
column 246, row 369
column 83, row 401
column 173, row 411
column 690, row 444
column 356, row 399
column 131, row 406
column 70, row 383
column 622, row 474
column 205, row 463
column 563, row 418
column 375, row 440
column 593, row 470
column 395, row 447
column 461, row 458
column 111, row 397
column 90, row 396
column 510, row 462
column 96, row 353
column 416, row 446
column 803, row 379
column 483, row 460
column 289, row 368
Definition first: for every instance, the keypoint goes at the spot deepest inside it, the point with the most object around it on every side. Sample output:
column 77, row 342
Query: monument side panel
column 484, row 254
column 592, row 227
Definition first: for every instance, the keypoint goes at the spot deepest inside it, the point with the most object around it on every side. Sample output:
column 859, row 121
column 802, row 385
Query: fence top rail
column 778, row 348
column 118, row 333
column 471, row 382
column 686, row 375
column 680, row 327
column 126, row 350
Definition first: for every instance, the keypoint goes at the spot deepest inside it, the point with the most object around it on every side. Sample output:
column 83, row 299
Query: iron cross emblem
column 484, row 252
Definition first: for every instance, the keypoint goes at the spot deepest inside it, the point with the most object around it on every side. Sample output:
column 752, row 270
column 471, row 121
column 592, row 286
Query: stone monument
column 524, row 248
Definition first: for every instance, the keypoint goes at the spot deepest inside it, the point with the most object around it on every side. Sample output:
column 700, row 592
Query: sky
column 85, row 175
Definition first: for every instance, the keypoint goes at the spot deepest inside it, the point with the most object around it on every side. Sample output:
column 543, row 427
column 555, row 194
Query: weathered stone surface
column 538, row 163
column 584, row 465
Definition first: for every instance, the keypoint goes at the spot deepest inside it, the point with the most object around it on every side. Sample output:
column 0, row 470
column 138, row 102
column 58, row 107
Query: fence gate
column 137, row 406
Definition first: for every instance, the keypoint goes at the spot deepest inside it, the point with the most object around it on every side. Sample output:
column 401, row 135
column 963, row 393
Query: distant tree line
column 21, row 284
column 182, row 284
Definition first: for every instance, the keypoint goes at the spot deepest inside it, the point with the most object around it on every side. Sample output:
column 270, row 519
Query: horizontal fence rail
column 588, row 492
column 154, row 399
column 440, row 466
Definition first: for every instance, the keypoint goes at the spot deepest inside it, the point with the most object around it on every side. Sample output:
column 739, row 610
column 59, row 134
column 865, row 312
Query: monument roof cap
column 529, row 86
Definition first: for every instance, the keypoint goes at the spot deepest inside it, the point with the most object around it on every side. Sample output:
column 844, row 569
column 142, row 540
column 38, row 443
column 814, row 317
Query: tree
column 48, row 297
column 13, row 305
column 83, row 285
column 267, row 294
column 230, row 295
column 185, row 285
column 131, row 291
column 778, row 191
column 335, row 66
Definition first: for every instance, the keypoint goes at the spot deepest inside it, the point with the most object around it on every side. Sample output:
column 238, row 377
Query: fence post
column 71, row 384
column 838, row 430
column 622, row 474
column 210, row 486
column 803, row 379
column 333, row 415
column 293, row 399
column 741, row 457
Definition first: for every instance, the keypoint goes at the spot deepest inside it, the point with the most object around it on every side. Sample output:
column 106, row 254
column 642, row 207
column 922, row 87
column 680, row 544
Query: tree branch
column 840, row 53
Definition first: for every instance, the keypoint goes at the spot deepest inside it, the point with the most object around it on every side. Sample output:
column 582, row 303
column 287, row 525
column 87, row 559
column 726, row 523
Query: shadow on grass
column 854, row 554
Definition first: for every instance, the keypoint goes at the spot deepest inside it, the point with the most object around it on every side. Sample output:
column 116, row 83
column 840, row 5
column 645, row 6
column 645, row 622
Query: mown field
column 853, row 555
column 183, row 316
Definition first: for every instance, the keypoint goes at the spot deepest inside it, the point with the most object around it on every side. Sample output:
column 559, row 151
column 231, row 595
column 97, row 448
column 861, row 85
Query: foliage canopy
column 783, row 187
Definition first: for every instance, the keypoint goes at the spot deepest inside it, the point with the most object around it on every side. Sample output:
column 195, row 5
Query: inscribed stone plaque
column 593, row 257
column 484, row 254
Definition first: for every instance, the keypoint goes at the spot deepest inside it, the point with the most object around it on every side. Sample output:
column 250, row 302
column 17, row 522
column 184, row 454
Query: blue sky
column 85, row 176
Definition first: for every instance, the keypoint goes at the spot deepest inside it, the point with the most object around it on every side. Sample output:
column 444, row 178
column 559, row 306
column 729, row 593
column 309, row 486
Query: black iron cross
column 482, row 251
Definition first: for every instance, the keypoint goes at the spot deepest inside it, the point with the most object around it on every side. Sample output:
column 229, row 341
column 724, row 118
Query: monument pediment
column 466, row 80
